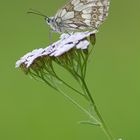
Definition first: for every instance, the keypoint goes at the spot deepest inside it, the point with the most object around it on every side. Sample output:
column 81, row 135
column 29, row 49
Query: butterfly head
column 51, row 22
column 55, row 24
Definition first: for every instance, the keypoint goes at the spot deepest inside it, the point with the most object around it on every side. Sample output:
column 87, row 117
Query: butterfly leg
column 50, row 36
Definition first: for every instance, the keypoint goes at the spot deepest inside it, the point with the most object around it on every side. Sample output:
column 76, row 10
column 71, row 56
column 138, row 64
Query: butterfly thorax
column 56, row 24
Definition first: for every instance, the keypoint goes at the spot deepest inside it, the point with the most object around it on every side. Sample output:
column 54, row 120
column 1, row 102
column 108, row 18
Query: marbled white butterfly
column 78, row 15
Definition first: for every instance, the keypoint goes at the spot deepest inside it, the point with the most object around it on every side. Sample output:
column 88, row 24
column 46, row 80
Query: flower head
column 67, row 42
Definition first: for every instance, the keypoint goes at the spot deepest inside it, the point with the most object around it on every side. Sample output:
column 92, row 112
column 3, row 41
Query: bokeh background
column 30, row 110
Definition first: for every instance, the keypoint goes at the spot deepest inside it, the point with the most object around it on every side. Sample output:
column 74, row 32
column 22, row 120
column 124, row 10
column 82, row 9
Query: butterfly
column 78, row 15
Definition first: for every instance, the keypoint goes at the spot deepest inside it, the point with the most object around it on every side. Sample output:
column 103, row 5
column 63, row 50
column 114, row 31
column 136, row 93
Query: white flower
column 82, row 44
column 66, row 43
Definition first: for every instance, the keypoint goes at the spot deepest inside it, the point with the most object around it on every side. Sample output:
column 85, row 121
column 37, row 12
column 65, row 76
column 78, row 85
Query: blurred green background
column 30, row 110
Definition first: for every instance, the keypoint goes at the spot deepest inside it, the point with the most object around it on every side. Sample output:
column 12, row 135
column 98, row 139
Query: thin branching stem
column 103, row 124
column 79, row 106
column 58, row 78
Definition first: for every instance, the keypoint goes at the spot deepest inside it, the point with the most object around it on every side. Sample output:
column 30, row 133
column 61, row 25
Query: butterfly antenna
column 33, row 11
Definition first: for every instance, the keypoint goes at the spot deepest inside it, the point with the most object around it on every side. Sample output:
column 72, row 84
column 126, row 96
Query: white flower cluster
column 66, row 43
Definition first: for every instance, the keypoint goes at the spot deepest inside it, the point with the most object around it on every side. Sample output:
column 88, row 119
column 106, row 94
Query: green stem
column 71, row 87
column 103, row 124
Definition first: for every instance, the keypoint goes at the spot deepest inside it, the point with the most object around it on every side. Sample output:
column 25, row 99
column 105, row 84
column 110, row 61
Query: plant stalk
column 103, row 124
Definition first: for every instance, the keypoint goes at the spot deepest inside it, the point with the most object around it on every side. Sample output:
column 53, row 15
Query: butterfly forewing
column 83, row 14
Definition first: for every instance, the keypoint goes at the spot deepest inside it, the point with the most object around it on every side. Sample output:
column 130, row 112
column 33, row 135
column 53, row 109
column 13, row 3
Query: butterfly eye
column 48, row 20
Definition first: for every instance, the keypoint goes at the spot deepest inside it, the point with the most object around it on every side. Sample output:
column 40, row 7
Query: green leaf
column 89, row 123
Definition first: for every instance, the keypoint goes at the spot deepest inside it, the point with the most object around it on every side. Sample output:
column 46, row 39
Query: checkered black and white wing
column 83, row 14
